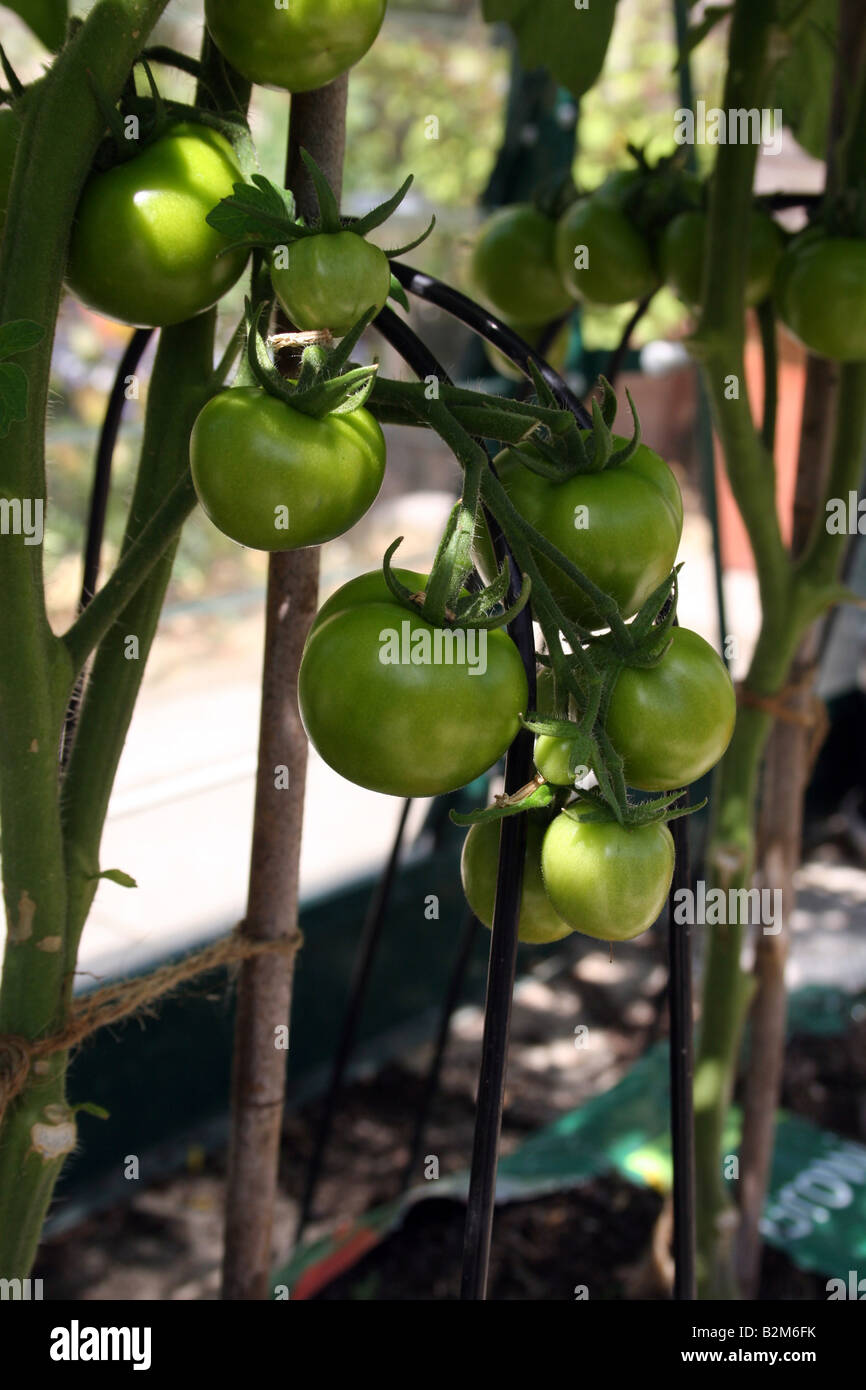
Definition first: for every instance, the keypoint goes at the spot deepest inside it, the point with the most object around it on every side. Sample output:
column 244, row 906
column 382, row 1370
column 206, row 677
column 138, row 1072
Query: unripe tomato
column 479, row 862
column 275, row 479
column 681, row 256
column 386, row 708
column 672, row 722
column 296, row 46
column 618, row 261
column 607, row 880
column 808, row 236
column 621, row 527
column 821, row 296
column 331, row 279
column 513, row 266
column 141, row 250
column 551, row 758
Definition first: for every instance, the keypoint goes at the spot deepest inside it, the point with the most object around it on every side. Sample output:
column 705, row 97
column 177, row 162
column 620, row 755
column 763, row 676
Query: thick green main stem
column 61, row 129
column 791, row 597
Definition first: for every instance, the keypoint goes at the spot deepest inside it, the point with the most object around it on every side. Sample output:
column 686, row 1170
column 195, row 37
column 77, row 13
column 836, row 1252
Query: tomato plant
column 330, row 280
column 601, row 256
column 389, row 704
column 274, row 478
column 672, row 722
column 606, row 880
column 10, row 127
column 821, row 295
column 538, row 922
column 620, row 526
column 681, row 255
column 298, row 46
column 141, row 250
column 513, row 266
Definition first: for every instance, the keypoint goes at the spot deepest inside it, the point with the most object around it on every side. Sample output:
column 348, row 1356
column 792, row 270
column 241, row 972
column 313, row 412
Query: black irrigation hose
column 371, row 935
column 127, row 367
column 512, row 844
column 504, row 945
column 488, row 326
column 453, row 992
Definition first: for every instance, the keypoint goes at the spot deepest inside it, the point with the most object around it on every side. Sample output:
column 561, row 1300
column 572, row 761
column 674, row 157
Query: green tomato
column 621, row 527
column 681, row 256
column 821, row 296
column 479, row 863
column 607, row 880
column 10, row 130
column 672, row 722
column 618, row 187
column 295, row 46
column 331, row 279
column 384, row 705
column 551, row 759
column 141, row 250
column 798, row 242
column 556, row 353
column 364, row 589
column 513, row 266
column 618, row 265
column 275, row 479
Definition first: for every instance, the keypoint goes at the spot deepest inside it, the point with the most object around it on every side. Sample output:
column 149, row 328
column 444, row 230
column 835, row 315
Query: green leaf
column 47, row 19
column 804, row 80
column 570, row 42
column 13, row 396
column 541, row 796
column 91, row 1108
column 260, row 212
column 19, row 336
column 118, row 876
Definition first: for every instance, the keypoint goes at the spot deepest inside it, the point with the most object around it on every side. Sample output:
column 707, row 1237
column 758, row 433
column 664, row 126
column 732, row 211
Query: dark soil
column 609, row 1236
column 593, row 1242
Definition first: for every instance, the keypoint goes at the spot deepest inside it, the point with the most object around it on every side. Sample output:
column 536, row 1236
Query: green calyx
column 153, row 116
column 572, row 450
column 485, row 609
column 590, row 806
column 325, row 385
column 261, row 214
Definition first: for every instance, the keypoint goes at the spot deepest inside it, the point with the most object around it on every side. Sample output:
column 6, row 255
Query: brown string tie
column 813, row 717
column 124, row 998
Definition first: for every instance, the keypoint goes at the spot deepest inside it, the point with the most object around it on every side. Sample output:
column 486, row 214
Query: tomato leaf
column 19, row 336
column 804, row 80
column 259, row 211
column 91, row 1108
column 47, row 19
column 570, row 41
column 118, row 876
column 13, row 396
column 541, row 796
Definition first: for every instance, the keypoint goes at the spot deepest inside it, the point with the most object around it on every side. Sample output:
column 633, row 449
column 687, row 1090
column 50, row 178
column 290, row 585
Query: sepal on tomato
column 323, row 387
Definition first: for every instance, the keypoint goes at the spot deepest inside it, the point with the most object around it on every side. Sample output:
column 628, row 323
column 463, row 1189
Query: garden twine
column 124, row 998
column 812, row 716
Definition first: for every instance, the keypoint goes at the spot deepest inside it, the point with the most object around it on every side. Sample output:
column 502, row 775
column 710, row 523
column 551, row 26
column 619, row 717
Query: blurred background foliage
column 433, row 59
